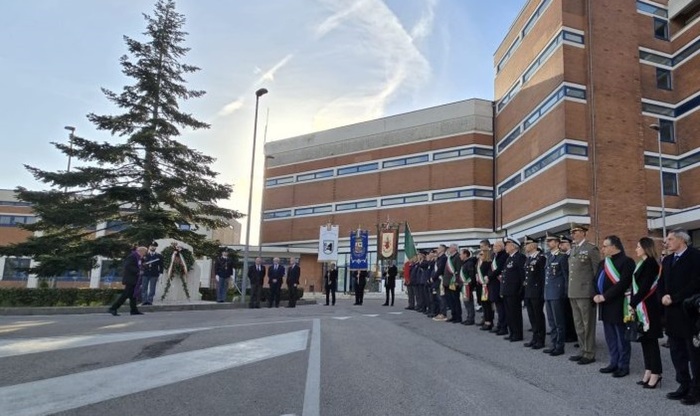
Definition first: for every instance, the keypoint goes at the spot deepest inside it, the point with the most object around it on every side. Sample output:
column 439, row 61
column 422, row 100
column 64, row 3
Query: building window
column 667, row 131
column 405, row 161
column 651, row 9
column 14, row 220
column 405, row 200
column 358, row 168
column 670, row 183
column 356, row 205
column 279, row 181
column 658, row 109
column 315, row 175
column 15, row 268
column 510, row 183
column 663, row 79
column 661, row 29
column 278, row 214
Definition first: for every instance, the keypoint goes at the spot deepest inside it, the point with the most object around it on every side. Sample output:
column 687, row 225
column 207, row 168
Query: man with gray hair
column 275, row 275
column 132, row 269
column 680, row 280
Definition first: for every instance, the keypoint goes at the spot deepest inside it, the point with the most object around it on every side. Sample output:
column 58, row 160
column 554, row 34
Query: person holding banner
column 645, row 304
column 360, row 277
column 390, row 283
column 613, row 279
column 330, row 281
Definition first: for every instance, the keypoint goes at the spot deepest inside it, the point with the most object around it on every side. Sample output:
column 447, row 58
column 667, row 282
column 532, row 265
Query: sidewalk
column 185, row 306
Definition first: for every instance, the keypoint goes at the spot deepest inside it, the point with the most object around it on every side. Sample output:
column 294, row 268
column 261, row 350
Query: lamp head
column 261, row 92
column 654, row 127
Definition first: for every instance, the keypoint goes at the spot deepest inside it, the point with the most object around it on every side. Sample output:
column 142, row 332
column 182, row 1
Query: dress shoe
column 584, row 361
column 537, row 346
column 502, row 332
column 408, row 308
column 529, row 344
column 481, row 323
column 609, row 369
column 548, row 350
column 507, row 338
column 468, row 323
column 678, row 394
column 621, row 373
column 385, row 304
column 486, row 327
column 642, row 383
column 556, row 353
column 691, row 399
column 516, row 339
column 137, row 313
column 650, row 386
column 575, row 358
column 576, row 345
column 113, row 312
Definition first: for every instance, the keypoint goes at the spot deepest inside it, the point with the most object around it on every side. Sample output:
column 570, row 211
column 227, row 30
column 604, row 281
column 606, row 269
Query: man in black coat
column 680, row 280
column 494, row 284
column 152, row 269
column 293, row 276
column 275, row 275
column 534, row 292
column 224, row 270
column 132, row 269
column 360, row 277
column 390, row 284
column 330, row 281
column 512, row 289
column 256, row 274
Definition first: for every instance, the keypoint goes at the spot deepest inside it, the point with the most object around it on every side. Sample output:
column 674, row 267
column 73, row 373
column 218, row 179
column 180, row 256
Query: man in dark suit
column 390, row 284
column 152, row 269
column 534, row 292
column 275, row 275
column 293, row 275
column 555, row 290
column 256, row 274
column 330, row 281
column 132, row 269
column 513, row 277
column 680, row 280
column 224, row 270
column 360, row 277
column 494, row 284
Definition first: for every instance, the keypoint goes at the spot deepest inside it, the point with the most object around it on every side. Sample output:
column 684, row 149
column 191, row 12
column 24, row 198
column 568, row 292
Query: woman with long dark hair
column 645, row 304
column 483, row 266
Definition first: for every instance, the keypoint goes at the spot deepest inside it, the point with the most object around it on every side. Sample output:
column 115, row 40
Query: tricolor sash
column 641, row 309
column 609, row 271
column 482, row 281
column 451, row 268
column 467, row 283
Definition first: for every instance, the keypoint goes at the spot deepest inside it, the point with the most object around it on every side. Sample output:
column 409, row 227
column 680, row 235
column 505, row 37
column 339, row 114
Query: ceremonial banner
column 388, row 243
column 409, row 246
column 358, row 249
column 328, row 243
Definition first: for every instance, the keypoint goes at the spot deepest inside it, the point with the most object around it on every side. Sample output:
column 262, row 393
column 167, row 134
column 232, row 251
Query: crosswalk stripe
column 342, row 318
column 395, row 313
column 81, row 389
column 370, row 315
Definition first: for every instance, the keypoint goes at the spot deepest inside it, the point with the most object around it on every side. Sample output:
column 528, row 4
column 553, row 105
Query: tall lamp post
column 657, row 129
column 71, row 129
column 259, row 93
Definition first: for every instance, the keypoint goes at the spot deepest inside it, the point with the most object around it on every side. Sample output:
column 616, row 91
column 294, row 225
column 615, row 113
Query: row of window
column 661, row 26
column 465, row 193
column 546, row 53
column 539, row 112
column 385, row 164
column 670, row 110
column 13, row 220
column 690, row 160
column 676, row 60
column 16, row 269
column 546, row 160
column 15, row 204
column 526, row 29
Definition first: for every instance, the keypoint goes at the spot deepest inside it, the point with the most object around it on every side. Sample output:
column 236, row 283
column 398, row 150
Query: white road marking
column 116, row 326
column 22, row 346
column 342, row 318
column 81, row 389
column 371, row 315
column 395, row 313
column 312, row 391
column 19, row 325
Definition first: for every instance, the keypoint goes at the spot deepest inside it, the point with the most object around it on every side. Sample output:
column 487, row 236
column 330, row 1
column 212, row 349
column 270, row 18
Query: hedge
column 14, row 297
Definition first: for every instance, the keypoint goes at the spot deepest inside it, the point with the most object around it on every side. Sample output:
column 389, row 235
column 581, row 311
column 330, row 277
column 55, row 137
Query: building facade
column 586, row 93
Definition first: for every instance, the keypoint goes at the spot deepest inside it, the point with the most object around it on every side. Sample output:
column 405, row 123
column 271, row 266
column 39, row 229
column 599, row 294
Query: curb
column 82, row 310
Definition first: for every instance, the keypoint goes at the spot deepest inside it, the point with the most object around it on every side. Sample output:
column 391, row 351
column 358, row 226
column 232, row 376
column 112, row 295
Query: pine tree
column 143, row 183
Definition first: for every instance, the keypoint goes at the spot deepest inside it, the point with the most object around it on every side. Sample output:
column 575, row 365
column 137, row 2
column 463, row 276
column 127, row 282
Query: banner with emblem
column 328, row 243
column 388, row 243
column 358, row 249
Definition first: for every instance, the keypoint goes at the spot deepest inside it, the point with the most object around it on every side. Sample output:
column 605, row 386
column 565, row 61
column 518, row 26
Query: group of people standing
column 276, row 275
column 574, row 283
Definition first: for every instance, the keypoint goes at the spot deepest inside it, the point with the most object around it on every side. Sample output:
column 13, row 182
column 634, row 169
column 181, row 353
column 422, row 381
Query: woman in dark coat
column 647, row 307
column 483, row 267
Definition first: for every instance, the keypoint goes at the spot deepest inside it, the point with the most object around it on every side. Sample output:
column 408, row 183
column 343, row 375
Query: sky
column 326, row 63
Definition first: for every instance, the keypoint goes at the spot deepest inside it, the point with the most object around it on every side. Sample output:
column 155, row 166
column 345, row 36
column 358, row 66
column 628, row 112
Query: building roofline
column 512, row 25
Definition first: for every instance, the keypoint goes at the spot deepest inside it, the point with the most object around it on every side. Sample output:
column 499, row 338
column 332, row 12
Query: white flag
column 328, row 243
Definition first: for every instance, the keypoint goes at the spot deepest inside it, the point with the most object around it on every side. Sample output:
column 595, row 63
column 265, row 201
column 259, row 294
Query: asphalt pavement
column 310, row 360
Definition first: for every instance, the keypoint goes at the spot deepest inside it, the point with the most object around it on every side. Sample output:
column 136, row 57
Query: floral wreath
column 177, row 261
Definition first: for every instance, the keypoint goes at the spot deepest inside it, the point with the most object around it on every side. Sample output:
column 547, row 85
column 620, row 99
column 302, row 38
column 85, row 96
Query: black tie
column 675, row 259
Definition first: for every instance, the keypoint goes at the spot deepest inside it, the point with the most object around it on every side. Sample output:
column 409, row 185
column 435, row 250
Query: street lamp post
column 657, row 129
column 71, row 129
column 259, row 93
column 262, row 207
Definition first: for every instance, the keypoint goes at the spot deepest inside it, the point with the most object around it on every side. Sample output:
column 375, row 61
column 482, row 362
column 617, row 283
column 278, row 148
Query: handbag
column 633, row 331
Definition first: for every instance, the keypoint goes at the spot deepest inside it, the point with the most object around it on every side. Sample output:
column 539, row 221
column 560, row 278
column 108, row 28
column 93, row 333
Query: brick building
column 568, row 139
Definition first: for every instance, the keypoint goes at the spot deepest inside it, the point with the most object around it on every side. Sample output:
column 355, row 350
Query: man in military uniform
column 555, row 288
column 583, row 265
column 570, row 336
column 513, row 277
column 534, row 292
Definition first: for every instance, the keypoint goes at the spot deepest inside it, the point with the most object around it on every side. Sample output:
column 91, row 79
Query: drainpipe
column 591, row 106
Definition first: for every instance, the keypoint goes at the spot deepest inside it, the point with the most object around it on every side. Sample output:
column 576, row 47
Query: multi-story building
column 586, row 93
